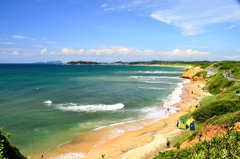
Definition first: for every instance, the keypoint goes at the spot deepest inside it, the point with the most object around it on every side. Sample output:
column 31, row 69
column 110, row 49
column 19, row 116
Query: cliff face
column 191, row 72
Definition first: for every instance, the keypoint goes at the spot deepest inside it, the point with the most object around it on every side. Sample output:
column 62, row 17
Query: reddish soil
column 209, row 132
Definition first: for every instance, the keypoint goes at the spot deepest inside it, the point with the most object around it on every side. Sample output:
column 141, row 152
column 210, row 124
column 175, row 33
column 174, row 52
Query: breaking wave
column 88, row 108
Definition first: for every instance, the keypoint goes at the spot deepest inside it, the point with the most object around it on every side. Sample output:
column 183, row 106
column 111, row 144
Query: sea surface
column 45, row 106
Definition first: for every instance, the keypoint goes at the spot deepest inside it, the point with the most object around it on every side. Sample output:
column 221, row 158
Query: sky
column 119, row 30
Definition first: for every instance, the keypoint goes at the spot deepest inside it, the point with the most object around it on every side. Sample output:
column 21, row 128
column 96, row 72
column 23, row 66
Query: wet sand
column 132, row 144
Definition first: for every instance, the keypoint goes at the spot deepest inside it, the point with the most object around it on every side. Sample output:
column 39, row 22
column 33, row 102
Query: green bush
column 204, row 74
column 211, row 109
column 230, row 93
column 218, row 83
column 229, row 66
column 230, row 118
column 225, row 146
column 8, row 151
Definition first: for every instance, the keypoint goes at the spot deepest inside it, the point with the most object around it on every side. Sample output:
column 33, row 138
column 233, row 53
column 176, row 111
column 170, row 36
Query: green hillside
column 223, row 108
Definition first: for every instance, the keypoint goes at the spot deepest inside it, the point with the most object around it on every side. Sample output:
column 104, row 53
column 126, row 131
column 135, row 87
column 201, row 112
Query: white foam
column 47, row 102
column 186, row 81
column 70, row 156
column 135, row 76
column 88, row 108
column 174, row 96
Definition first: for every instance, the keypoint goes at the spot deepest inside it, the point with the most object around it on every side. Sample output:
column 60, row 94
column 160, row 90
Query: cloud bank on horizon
column 126, row 30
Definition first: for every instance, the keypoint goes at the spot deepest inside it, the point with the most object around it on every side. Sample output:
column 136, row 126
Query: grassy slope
column 221, row 108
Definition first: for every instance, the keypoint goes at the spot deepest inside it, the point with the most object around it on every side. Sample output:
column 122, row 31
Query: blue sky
column 113, row 30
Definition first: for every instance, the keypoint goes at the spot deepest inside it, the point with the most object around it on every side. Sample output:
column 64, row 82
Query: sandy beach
column 132, row 144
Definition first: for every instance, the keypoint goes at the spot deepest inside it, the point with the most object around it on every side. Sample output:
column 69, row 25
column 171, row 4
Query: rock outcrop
column 191, row 72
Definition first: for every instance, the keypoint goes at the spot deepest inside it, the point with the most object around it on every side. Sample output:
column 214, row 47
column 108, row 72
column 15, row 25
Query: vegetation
column 222, row 108
column 202, row 64
column 8, row 151
column 84, row 63
column 225, row 146
column 229, row 66
column 218, row 83
column 176, row 63
column 215, row 108
column 227, row 119
column 185, row 117
column 204, row 74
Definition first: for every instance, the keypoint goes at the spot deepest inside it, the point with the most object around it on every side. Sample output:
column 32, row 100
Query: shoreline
column 137, row 144
column 129, row 143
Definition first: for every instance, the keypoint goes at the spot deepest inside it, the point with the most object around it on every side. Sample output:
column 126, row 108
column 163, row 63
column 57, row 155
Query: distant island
column 50, row 62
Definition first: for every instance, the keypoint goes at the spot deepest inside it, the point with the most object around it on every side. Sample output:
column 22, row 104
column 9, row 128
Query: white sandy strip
column 139, row 152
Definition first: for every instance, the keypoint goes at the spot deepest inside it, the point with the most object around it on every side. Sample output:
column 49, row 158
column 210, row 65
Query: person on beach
column 177, row 124
column 190, row 105
column 168, row 143
column 42, row 157
column 192, row 92
column 197, row 97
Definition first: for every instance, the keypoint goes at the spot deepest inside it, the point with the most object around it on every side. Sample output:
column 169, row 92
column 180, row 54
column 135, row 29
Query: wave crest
column 89, row 108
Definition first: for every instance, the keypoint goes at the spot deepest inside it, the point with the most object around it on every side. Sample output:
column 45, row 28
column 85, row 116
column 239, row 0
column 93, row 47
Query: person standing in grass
column 168, row 143
column 183, row 121
column 177, row 124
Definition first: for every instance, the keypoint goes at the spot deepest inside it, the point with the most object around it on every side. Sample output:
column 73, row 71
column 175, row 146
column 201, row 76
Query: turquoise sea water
column 44, row 106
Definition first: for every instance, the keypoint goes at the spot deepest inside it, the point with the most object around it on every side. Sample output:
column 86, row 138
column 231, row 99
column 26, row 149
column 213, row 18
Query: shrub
column 225, row 146
column 8, row 151
column 211, row 109
column 218, row 83
column 230, row 93
column 204, row 74
column 230, row 118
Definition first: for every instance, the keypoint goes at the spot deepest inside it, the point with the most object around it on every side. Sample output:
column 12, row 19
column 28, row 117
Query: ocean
column 45, row 106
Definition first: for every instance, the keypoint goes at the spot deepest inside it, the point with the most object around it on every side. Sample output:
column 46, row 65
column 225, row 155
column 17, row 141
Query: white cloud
column 104, row 5
column 52, row 53
column 43, row 51
column 238, row 50
column 15, row 53
column 19, row 37
column 191, row 16
column 133, row 53
column 185, row 54
column 99, row 52
column 232, row 26
column 7, row 43
column 67, row 51
column 33, row 39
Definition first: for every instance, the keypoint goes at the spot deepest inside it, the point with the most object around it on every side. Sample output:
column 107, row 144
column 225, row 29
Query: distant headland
column 154, row 62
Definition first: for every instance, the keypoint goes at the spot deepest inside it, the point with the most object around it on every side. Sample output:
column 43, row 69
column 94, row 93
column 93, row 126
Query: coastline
column 130, row 144
column 137, row 144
